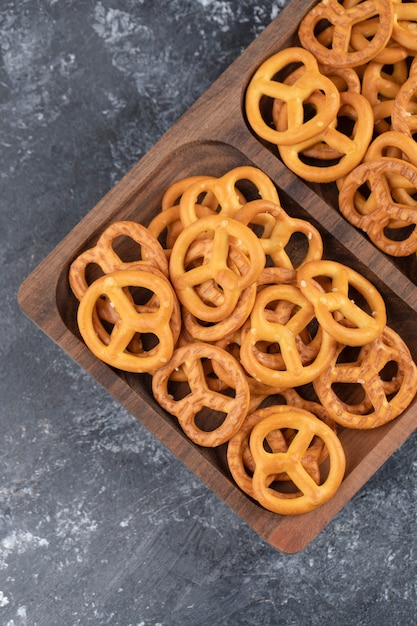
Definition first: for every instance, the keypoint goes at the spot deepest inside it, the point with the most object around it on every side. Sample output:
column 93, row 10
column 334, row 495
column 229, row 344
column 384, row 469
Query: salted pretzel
column 258, row 391
column 391, row 53
column 265, row 84
column 349, row 149
column 167, row 225
column 345, row 78
column 380, row 210
column 293, row 371
column 123, row 345
column 213, row 296
column 275, row 242
column 404, row 29
column 384, row 396
column 223, row 231
column 172, row 195
column 380, row 88
column 348, row 322
column 279, row 440
column 404, row 112
column 225, row 189
column 186, row 409
column 342, row 18
column 267, row 352
column 308, row 495
column 239, row 458
column 392, row 144
column 104, row 255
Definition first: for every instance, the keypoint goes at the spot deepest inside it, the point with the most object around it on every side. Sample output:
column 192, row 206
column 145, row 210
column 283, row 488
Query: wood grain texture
column 211, row 138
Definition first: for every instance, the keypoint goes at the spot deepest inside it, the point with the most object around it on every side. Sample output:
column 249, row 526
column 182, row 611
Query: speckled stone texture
column 99, row 523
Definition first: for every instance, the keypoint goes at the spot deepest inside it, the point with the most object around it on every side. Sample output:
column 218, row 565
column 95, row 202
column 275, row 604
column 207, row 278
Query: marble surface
column 99, row 523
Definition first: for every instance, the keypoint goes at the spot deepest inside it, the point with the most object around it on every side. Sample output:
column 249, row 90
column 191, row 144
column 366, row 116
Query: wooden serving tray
column 211, row 138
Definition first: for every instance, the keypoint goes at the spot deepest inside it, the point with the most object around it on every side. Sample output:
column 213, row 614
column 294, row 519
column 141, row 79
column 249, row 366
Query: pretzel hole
column 349, row 354
column 297, row 248
column 209, row 420
column 247, row 190
column 149, row 341
column 352, row 394
column 389, row 372
column 92, row 272
column 141, row 295
column 178, row 390
column 400, row 234
column 127, row 249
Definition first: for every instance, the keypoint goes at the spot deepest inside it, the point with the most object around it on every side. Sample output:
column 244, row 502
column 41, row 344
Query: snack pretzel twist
column 228, row 198
column 162, row 320
column 264, row 83
column 356, row 326
column 274, row 242
column 222, row 231
column 104, row 255
column 287, row 336
column 404, row 112
column 310, row 495
column 349, row 149
column 343, row 18
column 383, row 400
column 380, row 210
column 234, row 409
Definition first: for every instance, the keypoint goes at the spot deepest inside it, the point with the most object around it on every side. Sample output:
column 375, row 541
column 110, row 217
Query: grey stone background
column 99, row 523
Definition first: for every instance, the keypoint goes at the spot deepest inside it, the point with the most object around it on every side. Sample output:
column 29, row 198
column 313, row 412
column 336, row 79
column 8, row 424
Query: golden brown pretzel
column 343, row 17
column 264, row 84
column 275, row 242
column 172, row 195
column 104, row 255
column 380, row 88
column 286, row 336
column 167, row 223
column 391, row 53
column 384, row 397
column 380, row 210
column 361, row 321
column 223, row 231
column 211, row 295
column 279, row 440
column 240, row 463
column 122, row 346
column 392, row 144
column 349, row 149
column 239, row 458
column 345, row 78
column 404, row 112
column 229, row 198
column 268, row 464
column 186, row 409
column 404, row 29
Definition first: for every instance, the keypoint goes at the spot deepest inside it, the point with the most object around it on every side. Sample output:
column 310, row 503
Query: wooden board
column 211, row 138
